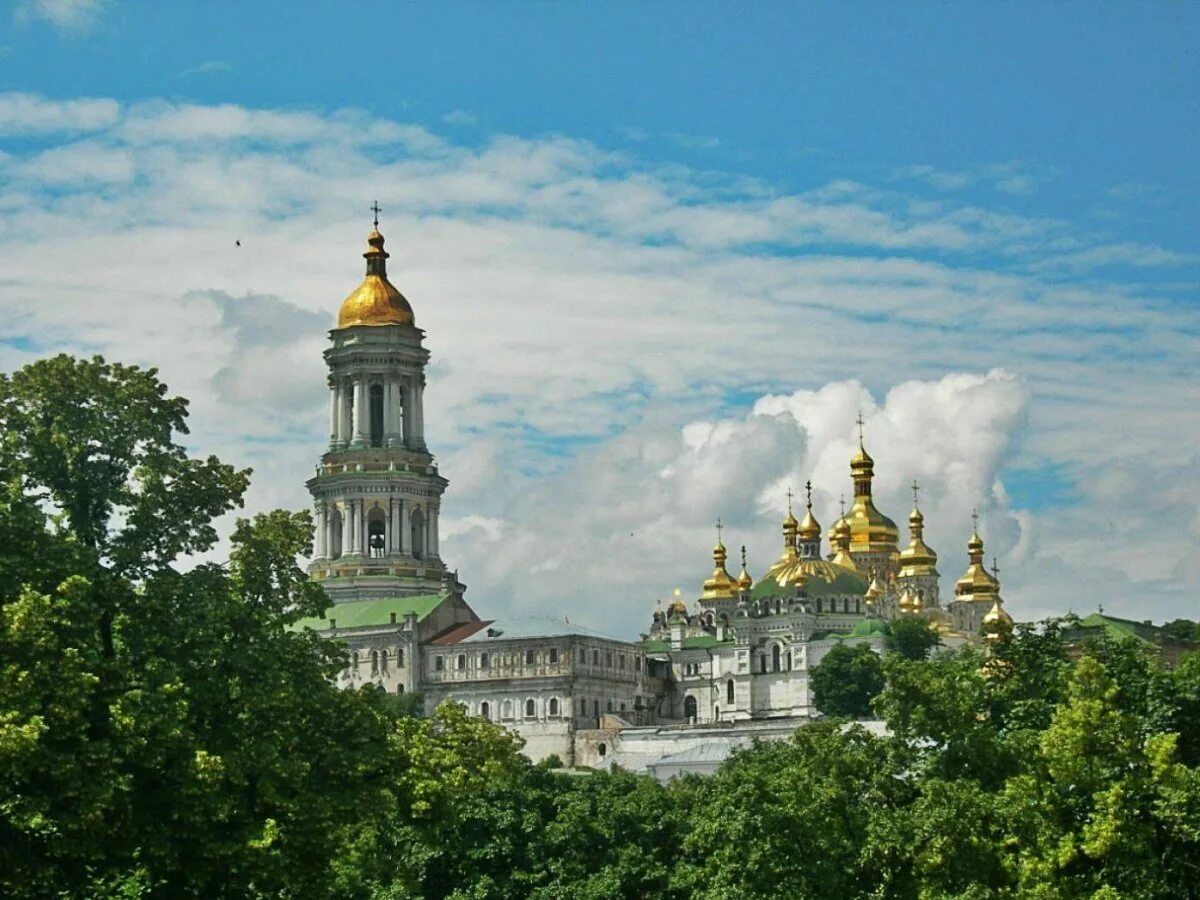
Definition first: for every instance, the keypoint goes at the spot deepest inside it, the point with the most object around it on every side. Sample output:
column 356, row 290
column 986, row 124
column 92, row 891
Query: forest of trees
column 164, row 734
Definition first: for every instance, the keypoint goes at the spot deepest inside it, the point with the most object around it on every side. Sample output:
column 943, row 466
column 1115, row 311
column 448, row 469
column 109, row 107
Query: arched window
column 485, row 711
column 729, row 692
column 376, row 533
column 400, row 658
column 506, row 709
column 462, row 661
column 383, row 661
column 602, row 751
column 374, row 662
column 354, row 661
column 609, row 706
column 376, row 415
column 763, row 659
column 775, row 666
column 689, row 708
column 483, row 660
column 716, row 713
column 789, row 660
column 530, row 708
column 399, row 689
column 553, row 710
column 417, row 543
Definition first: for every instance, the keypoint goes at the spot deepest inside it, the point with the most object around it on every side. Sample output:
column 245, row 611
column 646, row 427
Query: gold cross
column 375, row 209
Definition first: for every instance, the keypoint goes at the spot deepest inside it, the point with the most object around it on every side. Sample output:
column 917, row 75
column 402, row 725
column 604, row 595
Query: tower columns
column 395, row 534
column 360, row 411
column 419, row 397
column 393, row 412
column 320, row 532
column 432, row 542
column 409, row 415
column 334, row 393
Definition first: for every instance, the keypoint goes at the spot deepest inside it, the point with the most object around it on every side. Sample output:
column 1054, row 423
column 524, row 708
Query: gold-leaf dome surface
column 376, row 301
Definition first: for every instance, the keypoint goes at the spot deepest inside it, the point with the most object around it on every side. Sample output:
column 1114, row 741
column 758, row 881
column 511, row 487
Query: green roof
column 361, row 613
column 704, row 642
column 1118, row 629
column 816, row 585
column 871, row 628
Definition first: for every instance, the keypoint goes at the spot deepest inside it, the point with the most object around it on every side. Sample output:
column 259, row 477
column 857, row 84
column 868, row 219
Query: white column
column 409, row 411
column 319, row 532
column 360, row 411
column 419, row 392
column 406, row 529
column 352, row 513
column 333, row 415
column 329, row 520
column 433, row 530
column 343, row 401
column 396, row 544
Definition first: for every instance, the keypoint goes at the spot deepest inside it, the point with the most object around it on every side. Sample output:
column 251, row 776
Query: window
column 596, row 708
column 400, row 658
column 374, row 662
column 553, row 710
column 483, row 660
column 602, row 751
column 485, row 711
column 530, row 708
column 637, row 663
column 399, row 689
column 595, row 657
column 376, row 538
column 609, row 706
column 554, row 655
column 621, row 661
column 622, row 707
column 689, row 709
column 608, row 659
column 461, row 662
column 729, row 692
column 417, row 540
column 583, row 707
column 717, row 713
column 383, row 661
column 764, row 663
column 789, row 660
column 506, row 710
column 775, row 665
column 354, row 660
column 439, row 663
column 530, row 658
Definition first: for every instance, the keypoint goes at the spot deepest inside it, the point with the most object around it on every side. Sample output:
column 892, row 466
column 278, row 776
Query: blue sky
column 641, row 237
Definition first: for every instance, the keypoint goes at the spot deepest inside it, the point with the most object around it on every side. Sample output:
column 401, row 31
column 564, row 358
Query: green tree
column 160, row 730
column 912, row 637
column 846, row 681
column 1182, row 630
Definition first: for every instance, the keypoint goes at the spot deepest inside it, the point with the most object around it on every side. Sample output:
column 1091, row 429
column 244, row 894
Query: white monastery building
column 735, row 665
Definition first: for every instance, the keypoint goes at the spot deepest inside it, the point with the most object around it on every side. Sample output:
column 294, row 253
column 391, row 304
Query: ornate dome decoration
column 719, row 585
column 376, row 301
column 744, row 581
column 917, row 558
column 976, row 583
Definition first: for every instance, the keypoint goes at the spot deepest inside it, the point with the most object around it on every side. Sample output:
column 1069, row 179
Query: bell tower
column 377, row 492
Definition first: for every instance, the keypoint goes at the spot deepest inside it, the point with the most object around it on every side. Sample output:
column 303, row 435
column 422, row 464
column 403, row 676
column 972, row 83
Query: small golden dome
column 861, row 459
column 376, row 301
column 810, row 528
column 744, row 581
column 997, row 614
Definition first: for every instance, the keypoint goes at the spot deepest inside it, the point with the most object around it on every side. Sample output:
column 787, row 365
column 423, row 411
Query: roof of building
column 701, row 642
column 362, row 613
column 1120, row 629
column 536, row 627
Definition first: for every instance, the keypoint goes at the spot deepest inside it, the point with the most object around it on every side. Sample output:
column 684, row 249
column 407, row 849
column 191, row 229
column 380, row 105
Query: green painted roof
column 871, row 628
column 816, row 585
column 655, row 646
column 1117, row 629
column 704, row 642
column 361, row 613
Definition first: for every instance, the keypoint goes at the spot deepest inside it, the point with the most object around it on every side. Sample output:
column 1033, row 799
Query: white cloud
column 65, row 15
column 649, row 348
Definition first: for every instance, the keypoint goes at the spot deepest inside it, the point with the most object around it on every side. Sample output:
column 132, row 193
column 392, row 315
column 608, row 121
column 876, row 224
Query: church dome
column 871, row 628
column 376, row 301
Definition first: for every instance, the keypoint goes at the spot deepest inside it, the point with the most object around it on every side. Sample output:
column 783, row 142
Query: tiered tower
column 377, row 491
column 873, row 536
column 977, row 591
column 918, row 575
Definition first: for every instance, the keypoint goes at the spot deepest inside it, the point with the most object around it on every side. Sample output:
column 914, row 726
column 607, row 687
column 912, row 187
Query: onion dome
column 376, row 301
column 810, row 528
column 719, row 585
column 875, row 591
column 870, row 530
column 677, row 607
column 744, row 581
column 976, row 583
column 842, row 537
column 997, row 615
column 917, row 558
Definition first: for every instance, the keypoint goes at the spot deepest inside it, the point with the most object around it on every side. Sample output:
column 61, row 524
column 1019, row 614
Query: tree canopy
column 164, row 732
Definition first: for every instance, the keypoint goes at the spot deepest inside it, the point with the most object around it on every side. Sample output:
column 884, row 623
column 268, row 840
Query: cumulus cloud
column 645, row 348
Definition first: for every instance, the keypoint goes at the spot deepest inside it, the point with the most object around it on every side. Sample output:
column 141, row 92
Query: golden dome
column 677, row 607
column 875, row 590
column 977, row 583
column 719, row 584
column 997, row 614
column 918, row 557
column 376, row 301
column 842, row 541
column 810, row 528
column 744, row 581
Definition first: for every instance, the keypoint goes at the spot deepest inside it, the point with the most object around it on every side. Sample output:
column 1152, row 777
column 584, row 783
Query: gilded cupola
column 376, row 301
column 842, row 538
column 870, row 530
column 793, row 571
column 918, row 558
column 720, row 585
column 976, row 583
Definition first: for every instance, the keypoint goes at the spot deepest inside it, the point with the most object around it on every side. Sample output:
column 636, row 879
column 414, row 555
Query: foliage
column 1182, row 630
column 846, row 681
column 166, row 732
column 913, row 637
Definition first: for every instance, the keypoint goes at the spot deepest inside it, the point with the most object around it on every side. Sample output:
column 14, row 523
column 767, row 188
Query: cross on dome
column 375, row 209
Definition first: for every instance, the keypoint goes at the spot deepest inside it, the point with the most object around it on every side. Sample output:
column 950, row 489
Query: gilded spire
column 918, row 557
column 810, row 528
column 976, row 583
column 744, row 581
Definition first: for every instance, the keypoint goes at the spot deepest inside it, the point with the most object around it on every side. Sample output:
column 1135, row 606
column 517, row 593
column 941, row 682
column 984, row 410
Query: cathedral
column 738, row 661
